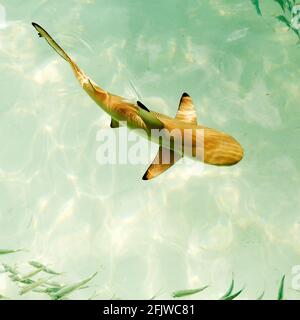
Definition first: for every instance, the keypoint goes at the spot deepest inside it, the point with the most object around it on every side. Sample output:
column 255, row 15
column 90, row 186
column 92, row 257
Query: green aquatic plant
column 290, row 15
column 256, row 5
column 281, row 289
column 229, row 295
column 188, row 292
column 282, row 4
column 233, row 296
column 229, row 291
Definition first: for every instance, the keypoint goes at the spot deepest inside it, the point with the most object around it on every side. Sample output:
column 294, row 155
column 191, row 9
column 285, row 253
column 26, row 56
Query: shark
column 214, row 147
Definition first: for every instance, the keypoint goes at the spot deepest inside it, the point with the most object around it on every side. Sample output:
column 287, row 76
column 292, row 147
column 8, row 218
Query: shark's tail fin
column 83, row 79
column 43, row 33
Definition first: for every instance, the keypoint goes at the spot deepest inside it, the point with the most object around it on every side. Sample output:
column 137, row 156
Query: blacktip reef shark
column 218, row 148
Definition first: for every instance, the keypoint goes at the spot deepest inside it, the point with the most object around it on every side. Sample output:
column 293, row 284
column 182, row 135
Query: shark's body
column 218, row 148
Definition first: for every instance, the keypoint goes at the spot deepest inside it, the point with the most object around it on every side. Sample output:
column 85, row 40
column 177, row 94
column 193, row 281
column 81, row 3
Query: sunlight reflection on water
column 190, row 227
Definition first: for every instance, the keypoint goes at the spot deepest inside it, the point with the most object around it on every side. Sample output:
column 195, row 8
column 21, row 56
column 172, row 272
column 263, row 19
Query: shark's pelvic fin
column 164, row 159
column 114, row 123
column 186, row 110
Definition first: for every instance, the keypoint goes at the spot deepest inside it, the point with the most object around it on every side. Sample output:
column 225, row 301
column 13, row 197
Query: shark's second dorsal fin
column 164, row 159
column 186, row 110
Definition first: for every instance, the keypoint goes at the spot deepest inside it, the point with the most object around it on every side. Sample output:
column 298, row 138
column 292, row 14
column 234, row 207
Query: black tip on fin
column 142, row 106
column 185, row 95
column 145, row 176
column 36, row 26
column 114, row 123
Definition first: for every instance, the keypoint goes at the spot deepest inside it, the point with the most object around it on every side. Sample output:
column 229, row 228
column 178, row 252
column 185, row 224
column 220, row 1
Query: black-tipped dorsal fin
column 164, row 159
column 141, row 105
column 186, row 110
column 114, row 123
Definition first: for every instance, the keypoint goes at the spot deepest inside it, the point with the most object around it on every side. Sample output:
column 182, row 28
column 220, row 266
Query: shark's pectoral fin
column 186, row 110
column 163, row 160
column 114, row 123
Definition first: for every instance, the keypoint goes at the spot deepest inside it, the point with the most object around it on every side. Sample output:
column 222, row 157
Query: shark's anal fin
column 114, row 123
column 164, row 159
column 186, row 110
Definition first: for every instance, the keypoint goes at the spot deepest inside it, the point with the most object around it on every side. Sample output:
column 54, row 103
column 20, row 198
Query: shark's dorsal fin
column 163, row 160
column 186, row 110
column 141, row 105
column 114, row 123
column 150, row 119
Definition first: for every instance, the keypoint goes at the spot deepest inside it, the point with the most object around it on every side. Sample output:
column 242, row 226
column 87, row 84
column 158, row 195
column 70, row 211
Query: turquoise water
column 187, row 228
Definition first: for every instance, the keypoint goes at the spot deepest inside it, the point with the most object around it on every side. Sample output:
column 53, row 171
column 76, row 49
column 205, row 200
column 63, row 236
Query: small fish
column 69, row 289
column 48, row 291
column 281, row 289
column 10, row 269
column 188, row 292
column 44, row 268
column 55, row 284
column 8, row 251
column 31, row 274
column 32, row 286
column 17, row 278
